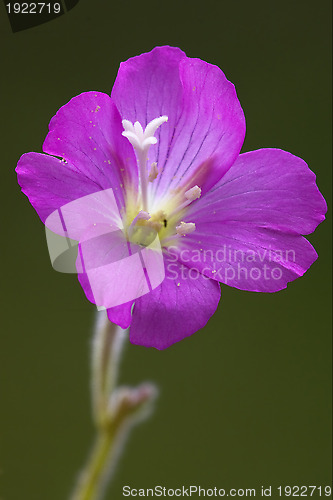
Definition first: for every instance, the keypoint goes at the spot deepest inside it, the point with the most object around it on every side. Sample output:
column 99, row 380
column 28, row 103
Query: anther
column 193, row 193
column 190, row 195
column 185, row 228
column 153, row 172
column 142, row 215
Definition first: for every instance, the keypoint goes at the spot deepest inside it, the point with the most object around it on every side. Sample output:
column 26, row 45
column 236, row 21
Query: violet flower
column 167, row 142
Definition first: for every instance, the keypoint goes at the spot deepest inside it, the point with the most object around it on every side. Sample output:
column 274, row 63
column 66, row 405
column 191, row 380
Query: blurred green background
column 246, row 401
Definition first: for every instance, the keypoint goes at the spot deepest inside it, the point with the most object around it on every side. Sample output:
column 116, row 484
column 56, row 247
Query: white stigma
column 185, row 228
column 141, row 141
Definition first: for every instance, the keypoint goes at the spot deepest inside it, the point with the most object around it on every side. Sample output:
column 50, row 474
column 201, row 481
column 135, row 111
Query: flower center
column 166, row 221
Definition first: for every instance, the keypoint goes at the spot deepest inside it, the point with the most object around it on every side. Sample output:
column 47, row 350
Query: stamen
column 142, row 215
column 185, row 228
column 141, row 140
column 153, row 172
column 191, row 195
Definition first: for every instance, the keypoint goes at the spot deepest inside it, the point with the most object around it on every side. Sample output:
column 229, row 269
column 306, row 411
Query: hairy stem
column 93, row 478
column 115, row 409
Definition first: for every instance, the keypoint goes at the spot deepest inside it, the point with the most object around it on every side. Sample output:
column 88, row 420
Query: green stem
column 89, row 485
column 115, row 409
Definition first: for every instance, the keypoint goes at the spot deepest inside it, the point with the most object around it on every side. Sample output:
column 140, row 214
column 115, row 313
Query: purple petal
column 249, row 226
column 87, row 133
column 111, row 268
column 97, row 212
column 121, row 315
column 267, row 188
column 118, row 273
column 49, row 183
column 246, row 257
column 206, row 124
column 180, row 306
